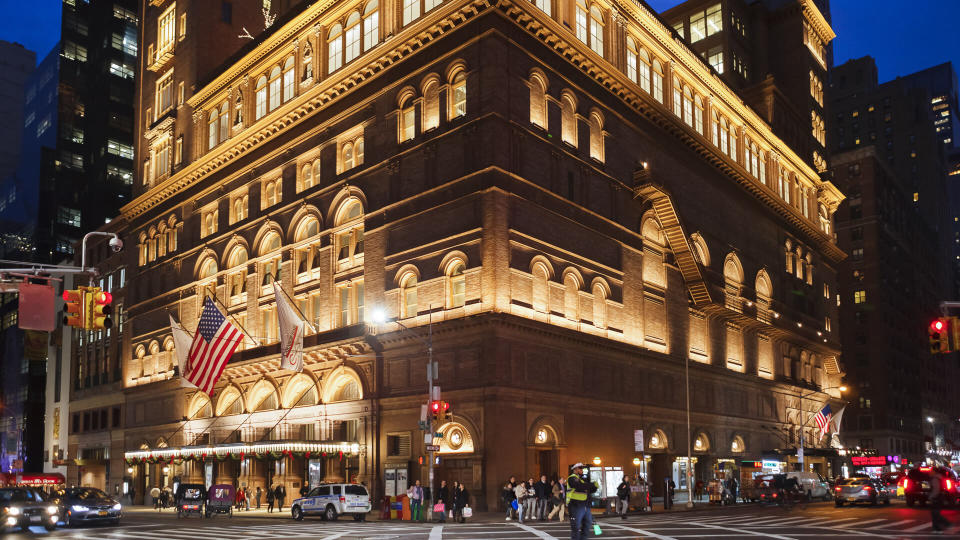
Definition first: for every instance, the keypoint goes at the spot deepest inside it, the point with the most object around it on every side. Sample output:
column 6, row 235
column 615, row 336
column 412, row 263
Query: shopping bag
column 596, row 530
column 438, row 508
column 514, row 504
column 467, row 512
column 450, row 514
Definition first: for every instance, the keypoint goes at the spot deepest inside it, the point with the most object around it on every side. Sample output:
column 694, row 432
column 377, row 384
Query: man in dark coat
column 443, row 497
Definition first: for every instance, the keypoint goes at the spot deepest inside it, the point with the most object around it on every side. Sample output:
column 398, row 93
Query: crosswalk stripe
column 918, row 528
column 861, row 523
column 742, row 531
column 538, row 533
column 639, row 531
column 892, row 525
column 436, row 532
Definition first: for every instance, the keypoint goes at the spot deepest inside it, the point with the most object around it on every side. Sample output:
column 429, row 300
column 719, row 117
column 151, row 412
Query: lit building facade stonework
column 566, row 224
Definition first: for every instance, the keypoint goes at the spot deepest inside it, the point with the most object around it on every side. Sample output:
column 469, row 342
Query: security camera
column 116, row 244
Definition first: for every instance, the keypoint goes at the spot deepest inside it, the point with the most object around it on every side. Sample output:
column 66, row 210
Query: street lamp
column 379, row 316
column 597, row 461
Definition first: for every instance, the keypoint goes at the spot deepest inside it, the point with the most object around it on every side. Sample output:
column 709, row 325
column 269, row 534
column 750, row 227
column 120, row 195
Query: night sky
column 903, row 36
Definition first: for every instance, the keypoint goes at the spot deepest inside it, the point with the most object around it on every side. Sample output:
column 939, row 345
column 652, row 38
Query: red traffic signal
column 937, row 325
column 73, row 311
column 940, row 336
column 100, row 309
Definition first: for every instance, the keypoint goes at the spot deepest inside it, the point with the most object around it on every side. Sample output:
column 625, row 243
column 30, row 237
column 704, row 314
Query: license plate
column 34, row 518
column 102, row 513
column 925, row 485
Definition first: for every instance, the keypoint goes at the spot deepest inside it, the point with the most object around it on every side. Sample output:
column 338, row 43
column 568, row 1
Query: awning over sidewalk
column 239, row 451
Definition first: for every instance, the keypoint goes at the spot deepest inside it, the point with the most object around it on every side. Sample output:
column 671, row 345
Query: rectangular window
column 117, row 148
column 68, row 216
column 715, row 58
column 698, row 27
column 678, row 28
column 411, row 10
column 714, row 20
column 161, row 158
column 859, row 297
column 164, row 98
column 72, row 51
column 165, row 29
column 408, row 123
column 183, row 25
column 121, row 70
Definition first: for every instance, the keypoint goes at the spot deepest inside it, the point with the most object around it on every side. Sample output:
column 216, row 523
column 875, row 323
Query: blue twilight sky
column 903, row 36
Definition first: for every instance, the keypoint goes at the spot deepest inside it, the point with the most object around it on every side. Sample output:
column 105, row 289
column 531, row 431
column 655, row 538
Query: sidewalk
column 478, row 517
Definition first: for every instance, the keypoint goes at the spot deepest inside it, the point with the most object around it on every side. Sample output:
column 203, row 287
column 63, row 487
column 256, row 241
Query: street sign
column 433, row 448
column 638, row 440
column 438, row 435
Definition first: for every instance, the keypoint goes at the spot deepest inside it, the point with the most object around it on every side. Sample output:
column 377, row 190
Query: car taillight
column 906, row 482
column 867, row 488
column 949, row 485
column 839, row 488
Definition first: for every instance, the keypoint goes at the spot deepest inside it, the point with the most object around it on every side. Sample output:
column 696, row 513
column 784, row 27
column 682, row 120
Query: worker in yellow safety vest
column 579, row 489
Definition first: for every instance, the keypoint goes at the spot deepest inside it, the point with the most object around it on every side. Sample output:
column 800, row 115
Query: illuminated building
column 570, row 213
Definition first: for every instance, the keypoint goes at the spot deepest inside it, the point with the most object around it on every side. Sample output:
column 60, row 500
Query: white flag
column 181, row 342
column 291, row 332
column 835, row 426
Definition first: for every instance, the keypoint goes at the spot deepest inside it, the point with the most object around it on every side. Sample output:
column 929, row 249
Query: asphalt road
column 819, row 520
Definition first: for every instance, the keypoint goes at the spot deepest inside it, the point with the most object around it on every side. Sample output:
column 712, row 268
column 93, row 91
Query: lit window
column 859, row 297
column 261, row 95
column 632, row 59
column 643, row 70
column 408, row 120
column 458, row 285
column 270, row 193
column 352, row 45
column 698, row 26
column 596, row 30
column 715, row 58
column 714, row 20
column 289, row 87
column 411, row 11
column 544, row 5
column 165, row 29
column 408, row 295
column 581, row 21
column 458, row 91
column 335, row 48
column 657, row 81
column 164, row 98
column 371, row 25
column 274, row 87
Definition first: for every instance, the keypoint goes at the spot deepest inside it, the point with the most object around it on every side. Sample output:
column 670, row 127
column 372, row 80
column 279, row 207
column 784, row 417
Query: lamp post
column 379, row 316
column 689, row 467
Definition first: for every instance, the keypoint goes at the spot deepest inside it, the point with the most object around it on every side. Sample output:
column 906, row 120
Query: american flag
column 212, row 347
column 823, row 420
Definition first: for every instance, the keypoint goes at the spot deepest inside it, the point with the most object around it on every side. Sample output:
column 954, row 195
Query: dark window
column 226, row 12
column 336, row 490
column 86, row 421
column 323, row 490
column 353, row 489
column 116, row 417
column 76, row 423
column 103, row 419
column 856, row 233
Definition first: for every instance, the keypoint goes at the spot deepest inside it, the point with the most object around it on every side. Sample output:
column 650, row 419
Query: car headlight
column 13, row 511
column 80, row 508
column 52, row 510
column 117, row 506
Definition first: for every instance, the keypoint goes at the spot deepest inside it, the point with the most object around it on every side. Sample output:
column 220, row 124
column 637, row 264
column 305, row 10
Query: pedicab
column 191, row 498
column 220, row 499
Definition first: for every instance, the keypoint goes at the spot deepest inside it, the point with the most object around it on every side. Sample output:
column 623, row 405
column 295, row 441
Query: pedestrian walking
column 623, row 497
column 443, row 501
column 559, row 499
column 935, row 498
column 461, row 500
column 271, row 496
column 155, row 495
column 280, row 494
column 246, row 498
column 238, row 499
column 257, row 496
column 520, row 491
column 509, row 497
column 531, row 507
column 415, row 494
column 698, row 490
column 579, row 489
column 668, row 487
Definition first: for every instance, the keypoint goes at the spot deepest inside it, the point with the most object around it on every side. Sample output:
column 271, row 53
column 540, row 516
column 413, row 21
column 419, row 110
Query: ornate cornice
column 817, row 20
column 406, row 43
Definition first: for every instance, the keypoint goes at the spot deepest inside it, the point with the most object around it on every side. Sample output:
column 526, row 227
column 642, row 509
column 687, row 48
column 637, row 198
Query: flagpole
column 234, row 319
column 293, row 303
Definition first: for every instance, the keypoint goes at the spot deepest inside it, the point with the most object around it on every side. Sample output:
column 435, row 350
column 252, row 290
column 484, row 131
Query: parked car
column 916, row 485
column 190, row 498
column 23, row 507
column 333, row 500
column 854, row 490
column 814, row 484
column 86, row 505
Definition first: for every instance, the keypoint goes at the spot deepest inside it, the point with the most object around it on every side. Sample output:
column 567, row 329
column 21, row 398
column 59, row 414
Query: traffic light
column 444, row 411
column 940, row 336
column 435, row 409
column 439, row 410
column 74, row 310
column 100, row 310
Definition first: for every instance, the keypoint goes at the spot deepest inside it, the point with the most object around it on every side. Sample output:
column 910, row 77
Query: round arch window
column 542, row 436
column 456, row 438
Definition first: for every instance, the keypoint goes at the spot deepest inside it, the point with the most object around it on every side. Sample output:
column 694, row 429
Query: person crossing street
column 579, row 489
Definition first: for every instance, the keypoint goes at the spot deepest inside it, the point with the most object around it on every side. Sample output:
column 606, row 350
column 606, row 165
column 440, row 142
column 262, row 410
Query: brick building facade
column 568, row 224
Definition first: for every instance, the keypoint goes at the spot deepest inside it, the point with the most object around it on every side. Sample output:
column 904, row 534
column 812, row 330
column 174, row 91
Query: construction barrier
column 396, row 507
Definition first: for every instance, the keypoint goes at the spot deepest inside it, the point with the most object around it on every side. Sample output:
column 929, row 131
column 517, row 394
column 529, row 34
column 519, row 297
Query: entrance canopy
column 262, row 450
column 28, row 479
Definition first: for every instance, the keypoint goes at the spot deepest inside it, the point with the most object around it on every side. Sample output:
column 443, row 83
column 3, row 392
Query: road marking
column 920, row 527
column 640, row 531
column 436, row 532
column 891, row 525
column 538, row 533
column 860, row 523
column 742, row 531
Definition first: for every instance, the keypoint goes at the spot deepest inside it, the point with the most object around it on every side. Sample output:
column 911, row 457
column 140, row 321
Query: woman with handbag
column 461, row 501
column 443, row 501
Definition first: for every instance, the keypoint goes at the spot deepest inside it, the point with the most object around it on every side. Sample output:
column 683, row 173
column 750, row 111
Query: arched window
column 688, row 106
column 274, row 86
column 261, row 98
column 783, row 186
column 458, row 95
column 270, row 268
column 733, row 143
column 581, row 21
column 347, row 156
column 737, row 446
column 289, row 86
column 788, row 252
column 540, row 293
column 571, row 296
column 798, row 267
column 698, row 116
column 208, row 269
column 352, row 47
column 568, row 119
column 224, row 121
column 161, row 237
column 658, row 440
column 408, row 118
column 596, row 136
column 724, row 136
column 764, row 291
column 143, row 249
column 408, row 295
column 644, row 70
column 213, row 124
column 271, row 193
column 761, row 164
column 747, row 155
column 371, row 25
column 306, row 255
column 334, row 48
column 632, row 55
column 430, row 109
column 237, row 281
column 599, row 306
column 677, row 100
column 596, row 30
column 306, row 176
column 349, row 240
column 538, row 100
column 458, row 284
column 732, row 281
column 657, row 81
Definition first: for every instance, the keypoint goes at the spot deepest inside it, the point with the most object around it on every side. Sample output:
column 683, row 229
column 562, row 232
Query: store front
column 292, row 464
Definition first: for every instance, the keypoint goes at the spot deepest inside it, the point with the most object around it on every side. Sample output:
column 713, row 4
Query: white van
column 811, row 482
column 333, row 500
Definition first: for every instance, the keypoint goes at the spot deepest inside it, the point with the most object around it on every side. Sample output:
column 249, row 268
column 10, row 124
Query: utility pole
column 430, row 397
